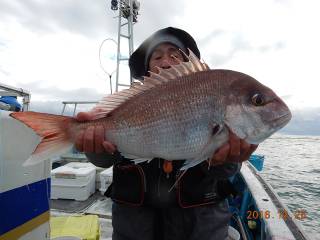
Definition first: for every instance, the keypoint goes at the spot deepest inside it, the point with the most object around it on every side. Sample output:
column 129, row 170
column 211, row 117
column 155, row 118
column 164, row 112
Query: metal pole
column 74, row 110
column 118, row 51
column 130, row 29
column 64, row 107
column 26, row 101
column 110, row 75
column 130, row 34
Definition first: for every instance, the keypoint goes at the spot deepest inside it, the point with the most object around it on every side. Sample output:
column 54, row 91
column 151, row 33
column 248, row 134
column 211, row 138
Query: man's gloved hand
column 92, row 139
column 236, row 150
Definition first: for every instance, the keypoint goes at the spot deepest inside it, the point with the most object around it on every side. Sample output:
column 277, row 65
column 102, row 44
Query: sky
column 51, row 48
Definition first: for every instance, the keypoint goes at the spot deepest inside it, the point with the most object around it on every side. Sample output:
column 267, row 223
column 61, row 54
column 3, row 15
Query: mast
column 128, row 12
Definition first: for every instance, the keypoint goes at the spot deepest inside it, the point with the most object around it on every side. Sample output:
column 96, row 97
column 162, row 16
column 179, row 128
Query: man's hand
column 236, row 150
column 92, row 139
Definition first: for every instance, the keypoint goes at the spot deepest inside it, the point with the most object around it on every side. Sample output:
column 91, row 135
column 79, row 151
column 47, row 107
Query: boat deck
column 96, row 204
column 256, row 195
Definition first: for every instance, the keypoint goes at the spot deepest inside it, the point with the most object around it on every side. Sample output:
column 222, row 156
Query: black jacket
column 148, row 184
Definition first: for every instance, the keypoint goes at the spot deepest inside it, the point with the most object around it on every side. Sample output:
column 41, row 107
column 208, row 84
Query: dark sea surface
column 292, row 167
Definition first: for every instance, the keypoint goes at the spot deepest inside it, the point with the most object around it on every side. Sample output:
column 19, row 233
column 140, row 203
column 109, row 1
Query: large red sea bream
column 183, row 112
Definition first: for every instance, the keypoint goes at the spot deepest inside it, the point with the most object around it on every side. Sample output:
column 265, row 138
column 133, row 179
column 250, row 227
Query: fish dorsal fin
column 111, row 102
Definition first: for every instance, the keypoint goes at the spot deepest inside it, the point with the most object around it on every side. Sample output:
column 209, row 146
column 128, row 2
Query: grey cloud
column 85, row 17
column 287, row 97
column 6, row 73
column 2, row 44
column 55, row 107
column 50, row 93
column 208, row 38
column 272, row 47
column 239, row 43
column 155, row 15
column 304, row 122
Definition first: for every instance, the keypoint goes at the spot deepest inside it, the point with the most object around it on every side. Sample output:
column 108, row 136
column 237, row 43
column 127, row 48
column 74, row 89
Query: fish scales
column 171, row 119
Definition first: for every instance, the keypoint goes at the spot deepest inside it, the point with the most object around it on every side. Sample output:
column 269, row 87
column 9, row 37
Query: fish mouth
column 281, row 121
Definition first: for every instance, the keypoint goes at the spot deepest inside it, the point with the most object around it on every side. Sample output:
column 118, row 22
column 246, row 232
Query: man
column 144, row 207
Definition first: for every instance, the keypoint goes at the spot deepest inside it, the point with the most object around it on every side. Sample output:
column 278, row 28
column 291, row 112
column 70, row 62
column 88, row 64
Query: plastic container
column 73, row 181
column 105, row 179
column 98, row 171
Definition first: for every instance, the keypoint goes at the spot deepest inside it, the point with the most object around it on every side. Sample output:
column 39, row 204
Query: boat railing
column 75, row 105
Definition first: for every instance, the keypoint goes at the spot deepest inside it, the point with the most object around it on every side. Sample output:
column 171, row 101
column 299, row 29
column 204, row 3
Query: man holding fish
column 193, row 210
column 173, row 140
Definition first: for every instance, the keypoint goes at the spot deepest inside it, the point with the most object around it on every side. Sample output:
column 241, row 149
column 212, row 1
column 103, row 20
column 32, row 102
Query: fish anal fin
column 141, row 160
column 135, row 159
column 189, row 163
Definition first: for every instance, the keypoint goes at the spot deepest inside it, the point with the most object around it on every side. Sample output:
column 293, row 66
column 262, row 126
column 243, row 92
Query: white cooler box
column 106, row 179
column 98, row 171
column 73, row 181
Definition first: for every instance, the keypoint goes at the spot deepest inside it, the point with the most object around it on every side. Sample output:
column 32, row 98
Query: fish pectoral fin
column 191, row 163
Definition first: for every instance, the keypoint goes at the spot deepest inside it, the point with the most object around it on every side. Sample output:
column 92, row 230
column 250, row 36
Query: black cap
column 139, row 60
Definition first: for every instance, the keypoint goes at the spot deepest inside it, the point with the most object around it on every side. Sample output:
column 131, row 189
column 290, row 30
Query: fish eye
column 258, row 99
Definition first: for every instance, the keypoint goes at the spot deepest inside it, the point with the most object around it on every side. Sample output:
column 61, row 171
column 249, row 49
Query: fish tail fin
column 53, row 129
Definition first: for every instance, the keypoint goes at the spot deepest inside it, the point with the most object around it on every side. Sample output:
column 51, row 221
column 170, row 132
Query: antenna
column 111, row 71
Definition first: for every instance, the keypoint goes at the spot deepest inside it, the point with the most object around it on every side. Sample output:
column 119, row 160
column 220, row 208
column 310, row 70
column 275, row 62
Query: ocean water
column 292, row 167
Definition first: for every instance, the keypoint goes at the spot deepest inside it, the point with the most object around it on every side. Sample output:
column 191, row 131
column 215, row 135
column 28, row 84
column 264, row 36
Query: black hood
column 139, row 60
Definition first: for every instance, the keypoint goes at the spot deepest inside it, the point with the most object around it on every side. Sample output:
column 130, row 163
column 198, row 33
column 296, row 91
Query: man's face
column 163, row 56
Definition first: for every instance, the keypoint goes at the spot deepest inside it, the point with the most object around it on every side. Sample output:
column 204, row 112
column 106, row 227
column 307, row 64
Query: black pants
column 145, row 223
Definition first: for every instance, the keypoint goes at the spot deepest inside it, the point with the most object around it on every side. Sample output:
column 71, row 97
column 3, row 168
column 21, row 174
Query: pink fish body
column 182, row 113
